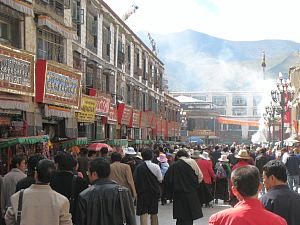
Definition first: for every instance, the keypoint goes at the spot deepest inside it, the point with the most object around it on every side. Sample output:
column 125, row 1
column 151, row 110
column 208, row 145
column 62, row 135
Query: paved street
column 165, row 215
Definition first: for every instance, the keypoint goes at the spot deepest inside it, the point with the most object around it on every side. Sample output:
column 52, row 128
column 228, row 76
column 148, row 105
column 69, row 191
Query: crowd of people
column 112, row 188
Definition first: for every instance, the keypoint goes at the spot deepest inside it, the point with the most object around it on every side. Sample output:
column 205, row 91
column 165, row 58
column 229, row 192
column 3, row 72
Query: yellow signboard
column 87, row 110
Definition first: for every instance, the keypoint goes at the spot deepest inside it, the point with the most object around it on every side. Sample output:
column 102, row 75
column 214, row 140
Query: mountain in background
column 198, row 62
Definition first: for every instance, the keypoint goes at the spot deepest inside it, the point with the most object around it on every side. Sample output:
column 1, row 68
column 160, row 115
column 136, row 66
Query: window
column 121, row 55
column 89, row 76
column 256, row 100
column 239, row 101
column 222, row 111
column 255, row 112
column 239, row 111
column 50, row 46
column 234, row 127
column 219, row 100
column 77, row 16
column 106, row 43
column 128, row 94
column 92, row 32
column 4, row 31
column 203, row 98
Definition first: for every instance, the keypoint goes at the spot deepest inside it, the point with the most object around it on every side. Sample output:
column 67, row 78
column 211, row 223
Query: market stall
column 21, row 145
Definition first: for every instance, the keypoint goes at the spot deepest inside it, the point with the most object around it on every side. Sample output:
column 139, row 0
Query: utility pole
column 263, row 64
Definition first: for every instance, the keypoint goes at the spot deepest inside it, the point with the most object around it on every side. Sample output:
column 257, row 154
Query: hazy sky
column 230, row 19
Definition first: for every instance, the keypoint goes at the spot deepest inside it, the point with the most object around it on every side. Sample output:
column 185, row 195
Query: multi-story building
column 238, row 112
column 76, row 69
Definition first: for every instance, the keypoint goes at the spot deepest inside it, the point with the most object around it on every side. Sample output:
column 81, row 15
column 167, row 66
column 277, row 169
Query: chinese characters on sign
column 103, row 104
column 88, row 110
column 16, row 71
column 61, row 85
column 57, row 84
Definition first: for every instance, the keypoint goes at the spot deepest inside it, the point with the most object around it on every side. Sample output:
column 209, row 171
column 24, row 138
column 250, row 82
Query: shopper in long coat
column 182, row 181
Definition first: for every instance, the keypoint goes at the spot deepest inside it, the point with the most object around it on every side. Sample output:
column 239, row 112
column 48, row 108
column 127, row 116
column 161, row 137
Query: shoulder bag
column 20, row 204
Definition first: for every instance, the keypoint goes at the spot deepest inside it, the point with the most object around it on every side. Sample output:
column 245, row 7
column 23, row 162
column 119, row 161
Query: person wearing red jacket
column 249, row 210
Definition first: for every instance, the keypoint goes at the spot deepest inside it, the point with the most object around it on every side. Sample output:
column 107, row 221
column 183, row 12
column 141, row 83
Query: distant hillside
column 195, row 61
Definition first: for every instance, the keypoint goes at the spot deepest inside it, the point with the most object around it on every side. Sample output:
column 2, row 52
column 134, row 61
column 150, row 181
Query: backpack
column 220, row 171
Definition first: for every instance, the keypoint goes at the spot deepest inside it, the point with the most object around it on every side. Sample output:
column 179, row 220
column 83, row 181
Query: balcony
column 53, row 8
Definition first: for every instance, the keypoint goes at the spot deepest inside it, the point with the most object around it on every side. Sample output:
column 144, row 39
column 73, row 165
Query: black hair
column 84, row 151
column 116, row 157
column 45, row 170
column 181, row 153
column 156, row 152
column 65, row 161
column 147, row 154
column 33, row 162
column 246, row 180
column 101, row 166
column 232, row 149
column 275, row 168
column 104, row 151
column 16, row 160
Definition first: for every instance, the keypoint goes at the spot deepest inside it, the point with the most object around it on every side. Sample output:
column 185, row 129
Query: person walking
column 181, row 183
column 280, row 199
column 66, row 182
column 249, row 209
column 292, row 165
column 260, row 161
column 147, row 177
column 11, row 179
column 121, row 173
column 40, row 204
column 105, row 202
column 206, row 167
column 83, row 162
column 222, row 171
column 31, row 166
column 164, row 166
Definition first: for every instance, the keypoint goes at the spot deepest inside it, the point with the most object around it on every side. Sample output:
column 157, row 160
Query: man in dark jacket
column 260, row 161
column 66, row 182
column 279, row 198
column 182, row 181
column 147, row 177
column 101, row 203
column 292, row 164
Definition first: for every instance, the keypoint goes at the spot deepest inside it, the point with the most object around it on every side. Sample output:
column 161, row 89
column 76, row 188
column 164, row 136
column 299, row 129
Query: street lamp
column 283, row 96
column 270, row 117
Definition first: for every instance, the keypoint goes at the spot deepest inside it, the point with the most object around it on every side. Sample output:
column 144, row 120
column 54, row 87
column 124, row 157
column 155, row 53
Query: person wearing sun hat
column 129, row 158
column 205, row 165
column 242, row 157
column 243, row 160
column 164, row 166
column 222, row 170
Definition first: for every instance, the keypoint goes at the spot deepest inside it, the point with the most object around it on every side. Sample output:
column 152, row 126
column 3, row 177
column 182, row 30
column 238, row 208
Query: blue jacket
column 283, row 202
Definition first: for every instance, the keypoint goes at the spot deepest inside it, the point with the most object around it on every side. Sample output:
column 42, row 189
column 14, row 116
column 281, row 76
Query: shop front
column 17, row 72
column 58, row 93
column 111, row 124
column 86, row 117
column 124, row 116
column 134, row 127
column 102, row 113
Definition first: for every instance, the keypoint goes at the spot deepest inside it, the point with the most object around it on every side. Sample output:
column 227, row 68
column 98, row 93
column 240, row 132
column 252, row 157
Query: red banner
column 287, row 118
column 124, row 113
column 143, row 120
column 135, row 119
column 159, row 127
column 112, row 115
column 57, row 84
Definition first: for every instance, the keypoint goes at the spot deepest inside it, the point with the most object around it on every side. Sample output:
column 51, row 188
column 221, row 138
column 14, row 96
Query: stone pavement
column 165, row 214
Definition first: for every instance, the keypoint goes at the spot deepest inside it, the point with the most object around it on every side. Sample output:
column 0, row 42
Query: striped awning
column 66, row 32
column 19, row 5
